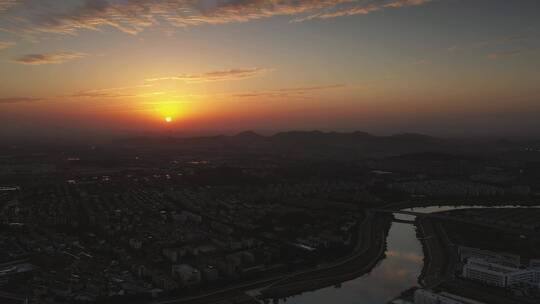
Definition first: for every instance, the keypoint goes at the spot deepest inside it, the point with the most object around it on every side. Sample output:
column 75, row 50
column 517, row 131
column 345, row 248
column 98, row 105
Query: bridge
column 404, row 212
column 402, row 221
column 446, row 217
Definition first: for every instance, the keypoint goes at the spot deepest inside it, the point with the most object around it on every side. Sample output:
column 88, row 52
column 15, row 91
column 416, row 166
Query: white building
column 506, row 259
column 486, row 272
column 492, row 273
column 529, row 276
column 423, row 296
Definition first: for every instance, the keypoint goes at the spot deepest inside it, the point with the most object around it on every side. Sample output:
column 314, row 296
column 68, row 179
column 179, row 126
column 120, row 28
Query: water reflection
column 404, row 267
column 396, row 273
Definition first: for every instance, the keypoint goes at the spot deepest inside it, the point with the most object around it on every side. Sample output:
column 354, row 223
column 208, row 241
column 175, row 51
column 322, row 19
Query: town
column 155, row 228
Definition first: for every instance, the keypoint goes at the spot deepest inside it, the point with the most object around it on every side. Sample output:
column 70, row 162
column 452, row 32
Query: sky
column 440, row 67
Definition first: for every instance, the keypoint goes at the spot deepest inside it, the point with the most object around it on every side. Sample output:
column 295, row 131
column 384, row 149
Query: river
column 398, row 272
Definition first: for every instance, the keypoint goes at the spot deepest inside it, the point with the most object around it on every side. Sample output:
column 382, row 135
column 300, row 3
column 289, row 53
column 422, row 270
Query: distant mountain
column 248, row 134
column 302, row 143
column 414, row 137
column 321, row 137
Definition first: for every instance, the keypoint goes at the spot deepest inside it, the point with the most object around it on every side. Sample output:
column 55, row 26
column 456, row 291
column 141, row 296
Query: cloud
column 6, row 44
column 504, row 54
column 49, row 58
column 287, row 92
column 351, row 8
column 499, row 42
column 455, row 48
column 108, row 93
column 232, row 74
column 7, row 4
column 133, row 16
column 421, row 62
column 19, row 100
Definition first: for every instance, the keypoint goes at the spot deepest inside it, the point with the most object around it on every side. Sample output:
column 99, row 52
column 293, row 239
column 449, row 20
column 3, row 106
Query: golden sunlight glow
column 168, row 111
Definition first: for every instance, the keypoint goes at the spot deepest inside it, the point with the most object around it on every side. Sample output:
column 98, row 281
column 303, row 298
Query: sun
column 167, row 112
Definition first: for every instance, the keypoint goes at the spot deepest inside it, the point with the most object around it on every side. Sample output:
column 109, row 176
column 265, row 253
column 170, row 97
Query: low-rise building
column 424, row 296
column 493, row 273
column 187, row 274
column 210, row 273
column 502, row 258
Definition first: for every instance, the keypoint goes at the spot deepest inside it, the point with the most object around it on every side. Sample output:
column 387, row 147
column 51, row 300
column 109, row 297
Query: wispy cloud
column 501, row 41
column 505, row 41
column 455, row 48
column 232, row 74
column 6, row 44
column 109, row 93
column 7, row 4
column 287, row 92
column 132, row 92
column 49, row 58
column 19, row 99
column 497, row 48
column 421, row 62
column 504, row 54
column 133, row 16
column 351, row 8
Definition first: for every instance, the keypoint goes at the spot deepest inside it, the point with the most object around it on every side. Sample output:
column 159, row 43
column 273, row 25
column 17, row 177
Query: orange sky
column 382, row 66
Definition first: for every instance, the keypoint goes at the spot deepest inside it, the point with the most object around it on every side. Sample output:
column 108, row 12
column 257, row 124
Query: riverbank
column 453, row 202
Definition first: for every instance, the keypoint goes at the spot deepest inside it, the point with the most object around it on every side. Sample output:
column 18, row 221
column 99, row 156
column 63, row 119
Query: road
column 362, row 246
column 369, row 251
